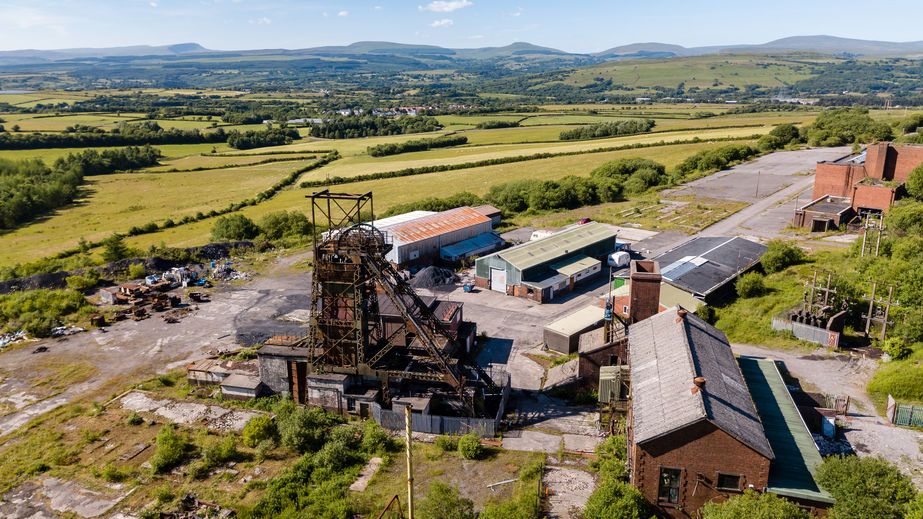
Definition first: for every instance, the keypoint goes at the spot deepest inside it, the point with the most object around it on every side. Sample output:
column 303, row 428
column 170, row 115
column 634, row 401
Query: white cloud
column 446, row 6
column 517, row 12
column 22, row 17
column 445, row 22
column 153, row 4
column 261, row 21
column 343, row 14
column 378, row 8
column 476, row 37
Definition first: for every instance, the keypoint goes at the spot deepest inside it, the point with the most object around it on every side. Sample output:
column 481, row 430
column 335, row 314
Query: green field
column 114, row 203
column 700, row 72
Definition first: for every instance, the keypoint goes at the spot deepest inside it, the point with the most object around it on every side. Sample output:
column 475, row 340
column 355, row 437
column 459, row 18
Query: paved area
column 839, row 374
column 53, row 497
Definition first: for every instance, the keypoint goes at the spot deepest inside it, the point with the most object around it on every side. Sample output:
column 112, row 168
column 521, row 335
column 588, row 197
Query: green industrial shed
column 542, row 269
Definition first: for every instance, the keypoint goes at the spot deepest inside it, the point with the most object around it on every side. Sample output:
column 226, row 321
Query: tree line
column 609, row 129
column 395, row 148
column 147, row 132
column 30, row 188
column 352, row 126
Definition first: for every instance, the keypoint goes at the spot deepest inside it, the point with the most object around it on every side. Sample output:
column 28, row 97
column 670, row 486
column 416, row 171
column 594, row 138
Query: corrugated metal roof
column 436, row 224
column 574, row 265
column 384, row 223
column 463, row 248
column 666, row 352
column 486, row 210
column 797, row 458
column 557, row 245
column 578, row 321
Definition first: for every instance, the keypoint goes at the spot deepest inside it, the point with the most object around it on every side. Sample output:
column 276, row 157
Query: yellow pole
column 407, row 411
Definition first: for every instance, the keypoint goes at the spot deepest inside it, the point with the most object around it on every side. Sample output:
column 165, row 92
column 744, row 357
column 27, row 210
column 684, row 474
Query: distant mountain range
column 519, row 50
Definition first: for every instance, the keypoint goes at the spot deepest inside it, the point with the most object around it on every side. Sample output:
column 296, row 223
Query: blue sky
column 575, row 25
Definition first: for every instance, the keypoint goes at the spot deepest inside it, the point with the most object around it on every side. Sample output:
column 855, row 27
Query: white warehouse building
column 418, row 240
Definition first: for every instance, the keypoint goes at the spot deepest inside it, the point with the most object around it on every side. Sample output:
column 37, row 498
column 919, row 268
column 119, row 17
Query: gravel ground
column 568, row 490
column 867, row 433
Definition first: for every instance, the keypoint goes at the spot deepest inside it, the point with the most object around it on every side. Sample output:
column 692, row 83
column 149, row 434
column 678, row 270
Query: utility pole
column 409, row 442
column 758, row 183
column 879, row 311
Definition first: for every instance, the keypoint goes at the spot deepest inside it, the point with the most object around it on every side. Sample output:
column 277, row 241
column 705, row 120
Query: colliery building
column 544, row 268
column 700, row 430
column 857, row 185
column 418, row 240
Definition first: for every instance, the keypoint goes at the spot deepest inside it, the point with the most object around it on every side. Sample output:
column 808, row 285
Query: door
column 498, row 280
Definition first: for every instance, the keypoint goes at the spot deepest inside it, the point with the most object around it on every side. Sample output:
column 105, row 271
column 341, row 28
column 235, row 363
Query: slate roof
column 666, row 352
column 797, row 458
column 704, row 264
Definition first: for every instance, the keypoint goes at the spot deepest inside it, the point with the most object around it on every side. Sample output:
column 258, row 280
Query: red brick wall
column 905, row 159
column 835, row 179
column 876, row 159
column 873, row 197
column 701, row 450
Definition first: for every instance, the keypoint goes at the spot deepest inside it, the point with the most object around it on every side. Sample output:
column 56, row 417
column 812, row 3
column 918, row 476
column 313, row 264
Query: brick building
column 693, row 431
column 870, row 181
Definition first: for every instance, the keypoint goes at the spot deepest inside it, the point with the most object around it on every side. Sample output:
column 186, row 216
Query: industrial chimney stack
column 644, row 289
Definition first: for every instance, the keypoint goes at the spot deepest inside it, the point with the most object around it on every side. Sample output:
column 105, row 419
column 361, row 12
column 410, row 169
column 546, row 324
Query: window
column 669, row 485
column 728, row 482
column 350, row 405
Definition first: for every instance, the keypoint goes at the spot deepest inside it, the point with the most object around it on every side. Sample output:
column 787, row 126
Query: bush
column 171, row 449
column 113, row 474
column 610, row 460
column 865, row 487
column 715, row 159
column 447, row 443
column 901, row 379
column 845, row 126
column 38, row 311
column 285, row 224
column 914, row 183
column 395, row 148
column 260, row 428
column 469, row 447
column 600, row 130
column 707, row 313
column 302, row 429
column 756, row 506
column 750, row 285
column 375, row 440
column 896, row 348
column 136, row 271
column 615, row 500
column 443, row 502
column 234, row 228
column 493, row 124
column 84, row 281
column 134, row 419
column 780, row 255
column 221, row 451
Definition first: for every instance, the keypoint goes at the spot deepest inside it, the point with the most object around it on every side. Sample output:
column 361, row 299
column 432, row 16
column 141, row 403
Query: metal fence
column 808, row 333
column 437, row 424
column 904, row 414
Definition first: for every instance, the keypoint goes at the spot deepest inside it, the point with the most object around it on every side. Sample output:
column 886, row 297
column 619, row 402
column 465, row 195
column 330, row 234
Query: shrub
column 750, row 285
column 715, row 159
column 171, row 449
column 447, row 443
column 38, row 311
column 865, row 487
column 599, row 130
column 375, row 439
column 610, row 459
column 84, row 281
column 221, row 451
column 914, row 183
column 754, row 505
column 469, row 447
column 301, row 429
column 896, row 348
column 285, row 224
column 234, row 227
column 780, row 255
column 615, row 500
column 136, row 271
column 443, row 502
column 846, row 125
column 707, row 313
column 134, row 419
column 113, row 474
column 901, row 379
column 260, row 428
